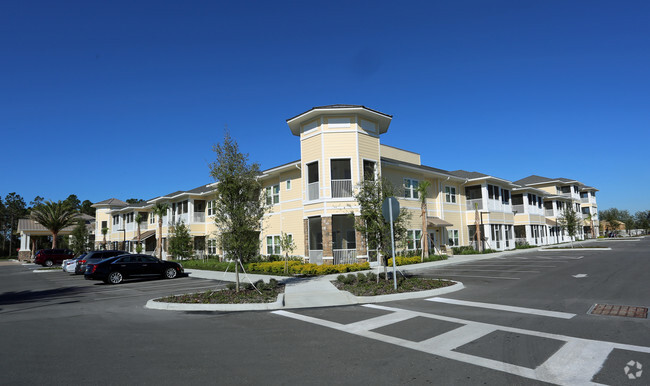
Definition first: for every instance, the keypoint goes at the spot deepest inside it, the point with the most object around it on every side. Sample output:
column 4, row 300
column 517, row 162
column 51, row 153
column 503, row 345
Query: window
column 453, row 237
column 152, row 218
column 212, row 204
column 116, row 219
column 493, row 192
column 273, row 245
column 273, row 194
column 288, row 184
column 413, row 239
column 104, row 224
column 450, row 194
column 128, row 217
column 369, row 170
column 410, row 188
column 505, row 196
column 585, row 211
column 212, row 247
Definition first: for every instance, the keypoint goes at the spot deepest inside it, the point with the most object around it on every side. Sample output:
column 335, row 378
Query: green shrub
column 341, row 278
column 361, row 278
column 371, row 276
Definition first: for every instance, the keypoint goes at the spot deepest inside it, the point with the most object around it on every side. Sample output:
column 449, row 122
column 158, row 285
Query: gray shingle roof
column 423, row 167
column 111, row 202
column 339, row 106
column 468, row 175
column 532, row 180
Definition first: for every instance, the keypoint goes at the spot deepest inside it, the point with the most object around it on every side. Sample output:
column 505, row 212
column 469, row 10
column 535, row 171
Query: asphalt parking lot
column 522, row 319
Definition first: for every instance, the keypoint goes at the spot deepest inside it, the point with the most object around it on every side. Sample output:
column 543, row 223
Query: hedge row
column 295, row 267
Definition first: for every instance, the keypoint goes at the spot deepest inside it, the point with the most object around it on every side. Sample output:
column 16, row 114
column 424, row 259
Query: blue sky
column 126, row 98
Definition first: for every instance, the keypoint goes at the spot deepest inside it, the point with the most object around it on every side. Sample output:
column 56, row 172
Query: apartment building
column 312, row 199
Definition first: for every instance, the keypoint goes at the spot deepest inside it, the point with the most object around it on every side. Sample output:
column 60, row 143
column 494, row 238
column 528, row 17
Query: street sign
column 390, row 209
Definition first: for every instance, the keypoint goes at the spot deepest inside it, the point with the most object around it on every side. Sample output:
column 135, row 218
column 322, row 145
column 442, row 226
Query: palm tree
column 159, row 209
column 54, row 216
column 138, row 218
column 104, row 232
column 422, row 193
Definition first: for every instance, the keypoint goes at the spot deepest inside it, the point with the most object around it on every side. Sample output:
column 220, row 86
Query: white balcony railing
column 519, row 208
column 549, row 213
column 345, row 256
column 312, row 192
column 315, row 256
column 470, row 204
column 199, row 217
column 341, row 188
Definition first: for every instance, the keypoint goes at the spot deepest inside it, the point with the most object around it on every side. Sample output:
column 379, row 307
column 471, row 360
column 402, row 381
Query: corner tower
column 339, row 148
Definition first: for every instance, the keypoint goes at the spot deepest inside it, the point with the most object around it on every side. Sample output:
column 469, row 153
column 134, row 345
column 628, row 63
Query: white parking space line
column 521, row 265
column 482, row 270
column 501, row 307
column 482, row 277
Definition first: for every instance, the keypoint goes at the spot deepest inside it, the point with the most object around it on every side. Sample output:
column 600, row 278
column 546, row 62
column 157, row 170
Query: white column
column 24, row 241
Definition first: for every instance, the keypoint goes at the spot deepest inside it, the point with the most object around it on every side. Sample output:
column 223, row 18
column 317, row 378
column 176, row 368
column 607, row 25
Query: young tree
column 371, row 223
column 54, row 216
column 239, row 206
column 288, row 246
column 79, row 239
column 159, row 209
column 180, row 241
column 570, row 221
column 422, row 194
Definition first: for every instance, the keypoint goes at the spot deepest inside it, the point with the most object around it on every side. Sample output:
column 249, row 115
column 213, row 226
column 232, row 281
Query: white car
column 70, row 264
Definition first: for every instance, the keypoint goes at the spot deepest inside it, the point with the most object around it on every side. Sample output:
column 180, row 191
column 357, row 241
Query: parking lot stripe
column 482, row 277
column 482, row 270
column 522, row 310
column 523, row 265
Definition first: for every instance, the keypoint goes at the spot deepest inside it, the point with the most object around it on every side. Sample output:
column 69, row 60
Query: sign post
column 390, row 210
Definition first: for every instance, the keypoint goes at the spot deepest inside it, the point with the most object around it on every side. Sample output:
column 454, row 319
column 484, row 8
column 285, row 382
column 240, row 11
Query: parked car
column 69, row 264
column 49, row 257
column 95, row 257
column 115, row 269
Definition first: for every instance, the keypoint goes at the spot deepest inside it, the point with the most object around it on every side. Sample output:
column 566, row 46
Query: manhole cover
column 616, row 310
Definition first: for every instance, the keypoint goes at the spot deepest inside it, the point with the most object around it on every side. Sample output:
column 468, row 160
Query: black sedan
column 115, row 269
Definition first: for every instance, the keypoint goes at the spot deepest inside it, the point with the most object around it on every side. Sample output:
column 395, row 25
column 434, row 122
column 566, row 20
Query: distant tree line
column 611, row 220
column 13, row 207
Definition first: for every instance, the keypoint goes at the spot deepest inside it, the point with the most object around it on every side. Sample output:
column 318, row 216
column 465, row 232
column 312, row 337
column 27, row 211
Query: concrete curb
column 279, row 304
column 46, row 270
column 410, row 295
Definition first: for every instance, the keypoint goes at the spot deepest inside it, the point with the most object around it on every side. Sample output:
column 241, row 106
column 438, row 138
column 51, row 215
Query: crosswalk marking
column 576, row 362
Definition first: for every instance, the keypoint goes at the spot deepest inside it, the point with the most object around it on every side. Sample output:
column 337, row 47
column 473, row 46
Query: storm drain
column 615, row 310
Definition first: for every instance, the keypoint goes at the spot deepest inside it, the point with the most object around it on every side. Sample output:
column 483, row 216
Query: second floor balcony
column 341, row 188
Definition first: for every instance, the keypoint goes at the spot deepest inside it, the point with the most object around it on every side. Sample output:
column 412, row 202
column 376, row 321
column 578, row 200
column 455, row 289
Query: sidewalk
column 319, row 291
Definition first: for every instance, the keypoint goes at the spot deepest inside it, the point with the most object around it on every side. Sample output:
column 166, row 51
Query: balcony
column 549, row 213
column 519, row 208
column 341, row 188
column 198, row 217
column 313, row 191
column 471, row 203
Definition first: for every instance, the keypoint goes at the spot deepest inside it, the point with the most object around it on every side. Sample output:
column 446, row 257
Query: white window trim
column 451, row 198
column 273, row 245
column 412, row 190
column 416, row 243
